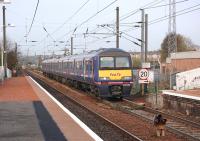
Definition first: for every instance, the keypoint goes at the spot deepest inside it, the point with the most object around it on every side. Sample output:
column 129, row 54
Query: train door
column 62, row 70
column 84, row 68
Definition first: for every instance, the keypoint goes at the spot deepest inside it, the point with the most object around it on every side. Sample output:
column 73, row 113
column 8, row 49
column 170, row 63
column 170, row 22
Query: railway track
column 178, row 125
column 104, row 128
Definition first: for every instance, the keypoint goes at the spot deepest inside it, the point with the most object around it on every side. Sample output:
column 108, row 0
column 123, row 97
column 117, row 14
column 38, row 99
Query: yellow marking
column 114, row 74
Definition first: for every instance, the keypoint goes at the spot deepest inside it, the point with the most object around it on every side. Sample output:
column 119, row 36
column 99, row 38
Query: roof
column 86, row 55
column 185, row 55
column 50, row 60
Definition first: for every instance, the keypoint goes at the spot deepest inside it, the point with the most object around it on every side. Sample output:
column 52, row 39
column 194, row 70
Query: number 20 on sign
column 143, row 75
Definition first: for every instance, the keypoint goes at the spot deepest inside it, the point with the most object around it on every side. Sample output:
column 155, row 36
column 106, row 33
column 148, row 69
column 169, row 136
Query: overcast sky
column 54, row 14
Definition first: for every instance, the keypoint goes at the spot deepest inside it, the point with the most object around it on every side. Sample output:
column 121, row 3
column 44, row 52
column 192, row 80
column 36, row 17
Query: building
column 181, row 61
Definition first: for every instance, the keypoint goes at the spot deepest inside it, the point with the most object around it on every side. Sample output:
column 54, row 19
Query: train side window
column 71, row 65
column 59, row 66
column 65, row 65
column 77, row 66
column 68, row 65
column 89, row 66
column 80, row 65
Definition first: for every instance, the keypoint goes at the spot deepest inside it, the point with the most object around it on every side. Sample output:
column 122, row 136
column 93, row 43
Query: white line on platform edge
column 181, row 95
column 78, row 121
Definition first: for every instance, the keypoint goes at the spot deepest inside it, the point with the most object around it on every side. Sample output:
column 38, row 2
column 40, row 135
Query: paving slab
column 18, row 122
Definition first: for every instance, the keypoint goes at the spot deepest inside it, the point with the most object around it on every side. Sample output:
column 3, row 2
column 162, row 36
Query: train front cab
column 114, row 75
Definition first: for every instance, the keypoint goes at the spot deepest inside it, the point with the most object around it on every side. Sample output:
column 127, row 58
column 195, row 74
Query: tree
column 12, row 54
column 136, row 62
column 12, row 59
column 183, row 44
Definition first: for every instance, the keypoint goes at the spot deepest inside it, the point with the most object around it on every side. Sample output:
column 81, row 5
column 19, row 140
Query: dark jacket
column 159, row 120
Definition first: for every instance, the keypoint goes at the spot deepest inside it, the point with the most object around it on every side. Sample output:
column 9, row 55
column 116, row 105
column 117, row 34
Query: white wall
column 188, row 79
column 1, row 72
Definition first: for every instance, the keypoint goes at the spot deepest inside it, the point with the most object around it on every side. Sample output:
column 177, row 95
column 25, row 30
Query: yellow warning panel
column 114, row 74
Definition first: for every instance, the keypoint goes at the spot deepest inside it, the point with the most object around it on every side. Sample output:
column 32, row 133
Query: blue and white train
column 104, row 72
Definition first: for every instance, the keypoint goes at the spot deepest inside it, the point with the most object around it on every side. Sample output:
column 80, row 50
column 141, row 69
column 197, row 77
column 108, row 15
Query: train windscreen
column 114, row 62
column 122, row 62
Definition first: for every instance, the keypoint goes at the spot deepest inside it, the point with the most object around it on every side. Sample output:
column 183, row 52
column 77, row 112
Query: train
column 106, row 72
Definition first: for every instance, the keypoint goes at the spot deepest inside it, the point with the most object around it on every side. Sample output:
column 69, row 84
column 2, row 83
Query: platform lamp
column 4, row 54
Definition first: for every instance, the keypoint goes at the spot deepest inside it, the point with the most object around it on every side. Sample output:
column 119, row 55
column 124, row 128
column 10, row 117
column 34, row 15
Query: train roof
column 53, row 60
column 90, row 54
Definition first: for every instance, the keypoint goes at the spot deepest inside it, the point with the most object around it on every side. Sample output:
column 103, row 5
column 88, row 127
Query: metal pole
column 146, row 37
column 4, row 42
column 146, row 47
column 142, row 45
column 142, row 87
column 2, row 56
column 170, row 79
column 142, row 36
column 71, row 45
column 117, row 27
column 85, row 45
column 26, row 30
column 156, row 89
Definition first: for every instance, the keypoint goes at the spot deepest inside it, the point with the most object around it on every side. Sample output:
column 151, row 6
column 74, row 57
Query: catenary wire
column 89, row 18
column 75, row 13
column 33, row 18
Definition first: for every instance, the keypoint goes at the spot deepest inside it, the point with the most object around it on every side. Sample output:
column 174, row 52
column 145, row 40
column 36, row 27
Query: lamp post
column 4, row 53
column 4, row 49
column 4, row 43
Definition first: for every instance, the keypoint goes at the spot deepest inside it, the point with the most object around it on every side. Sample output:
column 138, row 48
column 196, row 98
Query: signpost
column 143, row 75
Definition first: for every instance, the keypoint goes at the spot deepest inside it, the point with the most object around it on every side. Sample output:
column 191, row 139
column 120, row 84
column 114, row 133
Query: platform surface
column 27, row 113
column 190, row 94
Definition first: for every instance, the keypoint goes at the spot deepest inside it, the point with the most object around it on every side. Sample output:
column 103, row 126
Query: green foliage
column 136, row 62
column 183, row 44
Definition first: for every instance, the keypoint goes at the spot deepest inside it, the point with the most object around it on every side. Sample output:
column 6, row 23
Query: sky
column 63, row 19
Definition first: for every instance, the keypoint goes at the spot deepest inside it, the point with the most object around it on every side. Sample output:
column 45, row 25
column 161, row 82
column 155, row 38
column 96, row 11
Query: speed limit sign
column 143, row 74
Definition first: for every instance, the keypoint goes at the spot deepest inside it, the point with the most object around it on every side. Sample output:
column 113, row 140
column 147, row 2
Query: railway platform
column 29, row 113
column 184, row 101
column 190, row 94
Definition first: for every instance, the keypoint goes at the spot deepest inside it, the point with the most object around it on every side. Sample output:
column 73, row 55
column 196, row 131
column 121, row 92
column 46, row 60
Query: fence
column 161, row 81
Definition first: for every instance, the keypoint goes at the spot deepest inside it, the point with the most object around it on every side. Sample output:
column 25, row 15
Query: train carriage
column 105, row 72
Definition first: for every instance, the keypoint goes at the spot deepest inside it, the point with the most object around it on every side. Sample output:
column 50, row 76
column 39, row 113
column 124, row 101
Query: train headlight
column 127, row 78
column 104, row 78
